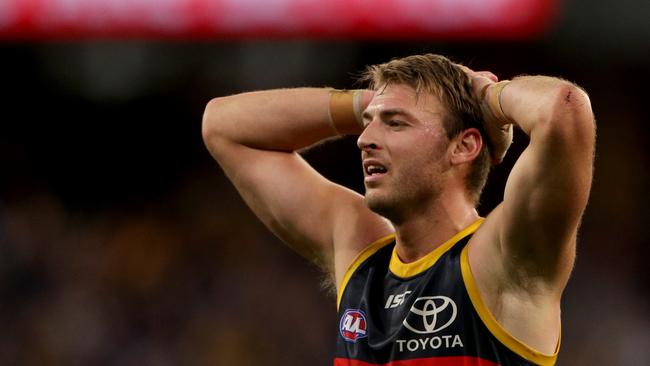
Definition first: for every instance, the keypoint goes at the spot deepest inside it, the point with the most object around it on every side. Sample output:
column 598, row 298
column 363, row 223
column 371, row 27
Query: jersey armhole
column 360, row 258
column 507, row 339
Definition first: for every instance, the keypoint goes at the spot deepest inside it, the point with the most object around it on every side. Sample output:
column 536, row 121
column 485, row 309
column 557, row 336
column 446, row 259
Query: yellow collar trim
column 406, row 270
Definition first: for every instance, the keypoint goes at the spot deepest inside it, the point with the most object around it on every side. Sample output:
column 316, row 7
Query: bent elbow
column 572, row 117
column 209, row 125
column 573, row 104
column 213, row 130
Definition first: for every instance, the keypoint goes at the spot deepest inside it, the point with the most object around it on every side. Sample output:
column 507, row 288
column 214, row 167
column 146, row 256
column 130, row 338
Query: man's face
column 403, row 148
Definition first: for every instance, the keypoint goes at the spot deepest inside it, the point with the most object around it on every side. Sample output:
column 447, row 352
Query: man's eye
column 394, row 123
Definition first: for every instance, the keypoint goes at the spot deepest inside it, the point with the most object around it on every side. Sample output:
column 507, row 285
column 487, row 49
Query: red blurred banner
column 236, row 19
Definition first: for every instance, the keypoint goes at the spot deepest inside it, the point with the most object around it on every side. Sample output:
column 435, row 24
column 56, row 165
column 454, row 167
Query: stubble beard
column 411, row 190
column 383, row 206
column 398, row 203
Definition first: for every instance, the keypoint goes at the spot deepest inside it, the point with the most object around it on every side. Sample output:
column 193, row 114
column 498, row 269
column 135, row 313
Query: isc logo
column 353, row 325
column 396, row 300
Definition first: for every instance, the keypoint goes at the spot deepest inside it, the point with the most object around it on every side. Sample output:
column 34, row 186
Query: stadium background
column 121, row 242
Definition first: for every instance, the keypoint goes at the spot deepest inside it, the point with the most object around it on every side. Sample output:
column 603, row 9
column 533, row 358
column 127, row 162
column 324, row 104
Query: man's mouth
column 374, row 169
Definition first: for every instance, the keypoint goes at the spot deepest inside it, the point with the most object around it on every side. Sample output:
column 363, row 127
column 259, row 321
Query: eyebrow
column 387, row 113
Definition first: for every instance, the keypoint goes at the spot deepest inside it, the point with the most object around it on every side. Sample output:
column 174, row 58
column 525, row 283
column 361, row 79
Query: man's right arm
column 254, row 137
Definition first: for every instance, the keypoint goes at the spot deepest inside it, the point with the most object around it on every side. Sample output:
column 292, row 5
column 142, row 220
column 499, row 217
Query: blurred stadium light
column 228, row 19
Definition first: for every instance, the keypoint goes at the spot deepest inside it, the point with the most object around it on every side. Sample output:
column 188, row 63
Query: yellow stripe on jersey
column 360, row 258
column 494, row 327
column 406, row 270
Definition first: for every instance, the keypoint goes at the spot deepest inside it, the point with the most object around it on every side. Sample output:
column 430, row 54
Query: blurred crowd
column 191, row 281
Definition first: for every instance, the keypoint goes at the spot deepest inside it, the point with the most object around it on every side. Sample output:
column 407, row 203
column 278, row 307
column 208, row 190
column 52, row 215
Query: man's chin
column 377, row 204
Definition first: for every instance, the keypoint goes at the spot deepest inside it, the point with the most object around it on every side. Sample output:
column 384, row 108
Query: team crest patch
column 353, row 325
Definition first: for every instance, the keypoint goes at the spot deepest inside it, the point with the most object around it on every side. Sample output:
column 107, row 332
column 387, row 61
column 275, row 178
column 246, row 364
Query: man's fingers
column 500, row 136
column 465, row 68
column 488, row 75
column 485, row 73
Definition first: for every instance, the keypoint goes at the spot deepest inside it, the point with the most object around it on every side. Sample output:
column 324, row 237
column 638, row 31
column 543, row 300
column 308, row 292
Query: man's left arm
column 523, row 254
column 548, row 187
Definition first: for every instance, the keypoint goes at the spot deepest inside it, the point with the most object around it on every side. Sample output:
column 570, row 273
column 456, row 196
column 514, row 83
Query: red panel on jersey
column 438, row 361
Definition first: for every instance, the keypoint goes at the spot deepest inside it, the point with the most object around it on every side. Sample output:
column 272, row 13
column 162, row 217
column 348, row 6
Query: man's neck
column 425, row 231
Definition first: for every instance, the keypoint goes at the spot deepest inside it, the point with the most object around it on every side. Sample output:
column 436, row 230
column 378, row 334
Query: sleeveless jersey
column 424, row 313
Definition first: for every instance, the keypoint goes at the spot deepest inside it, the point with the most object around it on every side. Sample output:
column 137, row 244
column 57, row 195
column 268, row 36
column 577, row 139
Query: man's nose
column 368, row 138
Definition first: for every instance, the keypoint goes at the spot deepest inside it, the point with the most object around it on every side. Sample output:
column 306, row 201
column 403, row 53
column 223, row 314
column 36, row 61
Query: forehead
column 403, row 96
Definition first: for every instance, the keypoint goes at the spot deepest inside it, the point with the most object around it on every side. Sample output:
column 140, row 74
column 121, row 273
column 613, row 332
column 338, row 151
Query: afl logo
column 430, row 314
column 353, row 325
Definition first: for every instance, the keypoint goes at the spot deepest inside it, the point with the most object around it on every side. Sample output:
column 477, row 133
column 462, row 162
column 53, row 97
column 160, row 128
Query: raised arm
column 547, row 190
column 523, row 254
column 254, row 136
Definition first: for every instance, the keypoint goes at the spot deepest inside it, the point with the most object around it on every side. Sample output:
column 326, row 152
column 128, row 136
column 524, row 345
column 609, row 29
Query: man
column 421, row 278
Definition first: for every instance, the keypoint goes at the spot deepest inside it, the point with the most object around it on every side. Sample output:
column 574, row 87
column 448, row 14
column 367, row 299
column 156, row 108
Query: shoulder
column 382, row 244
column 521, row 303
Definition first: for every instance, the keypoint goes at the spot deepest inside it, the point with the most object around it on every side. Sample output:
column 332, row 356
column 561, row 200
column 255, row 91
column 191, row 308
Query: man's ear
column 466, row 146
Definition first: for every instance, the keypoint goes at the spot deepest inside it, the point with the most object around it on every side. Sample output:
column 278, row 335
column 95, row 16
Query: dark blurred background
column 122, row 243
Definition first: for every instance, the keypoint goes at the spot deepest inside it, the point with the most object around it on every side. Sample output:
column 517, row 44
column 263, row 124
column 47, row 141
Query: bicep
column 311, row 214
column 545, row 196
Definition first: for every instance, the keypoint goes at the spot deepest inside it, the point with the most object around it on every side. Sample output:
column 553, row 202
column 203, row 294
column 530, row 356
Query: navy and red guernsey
column 425, row 313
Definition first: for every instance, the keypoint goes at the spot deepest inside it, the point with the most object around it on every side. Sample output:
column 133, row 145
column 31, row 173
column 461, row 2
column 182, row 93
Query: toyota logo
column 430, row 314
